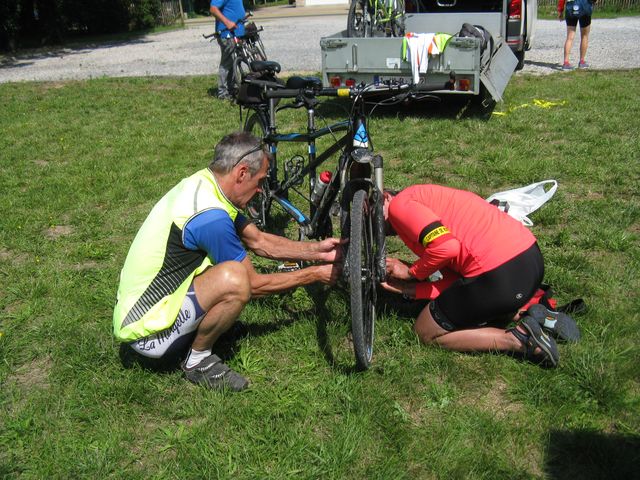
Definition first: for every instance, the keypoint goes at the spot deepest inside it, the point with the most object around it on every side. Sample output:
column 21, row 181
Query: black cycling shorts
column 585, row 21
column 493, row 297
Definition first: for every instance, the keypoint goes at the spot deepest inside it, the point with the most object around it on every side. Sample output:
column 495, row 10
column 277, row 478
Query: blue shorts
column 584, row 20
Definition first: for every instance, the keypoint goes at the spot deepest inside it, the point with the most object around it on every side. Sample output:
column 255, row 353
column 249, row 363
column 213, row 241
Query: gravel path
column 294, row 42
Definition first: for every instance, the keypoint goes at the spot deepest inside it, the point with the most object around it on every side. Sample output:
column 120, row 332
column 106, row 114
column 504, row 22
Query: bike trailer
column 380, row 60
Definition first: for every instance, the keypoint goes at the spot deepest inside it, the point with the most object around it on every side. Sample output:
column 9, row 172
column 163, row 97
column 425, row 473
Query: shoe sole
column 563, row 327
column 538, row 338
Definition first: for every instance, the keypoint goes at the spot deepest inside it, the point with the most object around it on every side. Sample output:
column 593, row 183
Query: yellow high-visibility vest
column 159, row 268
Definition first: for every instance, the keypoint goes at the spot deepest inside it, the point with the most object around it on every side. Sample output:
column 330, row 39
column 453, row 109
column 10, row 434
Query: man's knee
column 235, row 280
column 229, row 279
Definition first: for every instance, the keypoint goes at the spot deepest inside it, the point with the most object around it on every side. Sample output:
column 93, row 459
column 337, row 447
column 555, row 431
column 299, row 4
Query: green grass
column 83, row 162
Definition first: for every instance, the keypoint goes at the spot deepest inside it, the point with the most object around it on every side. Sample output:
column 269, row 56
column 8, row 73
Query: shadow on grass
column 26, row 55
column 591, row 455
column 319, row 297
column 396, row 304
column 552, row 66
column 432, row 107
column 226, row 347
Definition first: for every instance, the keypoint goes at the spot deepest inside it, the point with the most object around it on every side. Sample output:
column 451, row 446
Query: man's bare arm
column 281, row 248
column 265, row 284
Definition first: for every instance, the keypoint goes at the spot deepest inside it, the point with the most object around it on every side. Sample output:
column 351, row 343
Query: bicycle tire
column 258, row 51
column 258, row 207
column 240, row 70
column 362, row 281
column 357, row 19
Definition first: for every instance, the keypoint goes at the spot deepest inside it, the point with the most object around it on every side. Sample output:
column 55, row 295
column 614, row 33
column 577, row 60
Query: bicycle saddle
column 265, row 66
column 303, row 82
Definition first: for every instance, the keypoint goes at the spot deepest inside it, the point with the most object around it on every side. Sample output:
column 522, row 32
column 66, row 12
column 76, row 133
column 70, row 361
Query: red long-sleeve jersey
column 456, row 230
column 561, row 6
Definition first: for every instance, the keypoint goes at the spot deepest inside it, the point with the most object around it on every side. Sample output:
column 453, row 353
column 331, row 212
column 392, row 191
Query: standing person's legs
column 568, row 43
column 225, row 70
column 584, row 41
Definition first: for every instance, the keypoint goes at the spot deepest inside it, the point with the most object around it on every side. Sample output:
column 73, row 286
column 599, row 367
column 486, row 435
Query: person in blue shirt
column 187, row 276
column 228, row 14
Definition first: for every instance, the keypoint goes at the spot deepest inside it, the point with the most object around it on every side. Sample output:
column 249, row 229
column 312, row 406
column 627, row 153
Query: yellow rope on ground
column 535, row 103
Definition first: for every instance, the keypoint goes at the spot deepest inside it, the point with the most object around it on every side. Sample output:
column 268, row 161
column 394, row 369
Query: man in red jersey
column 490, row 263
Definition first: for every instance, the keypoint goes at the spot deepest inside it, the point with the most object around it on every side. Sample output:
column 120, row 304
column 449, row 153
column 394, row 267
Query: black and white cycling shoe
column 558, row 324
column 536, row 338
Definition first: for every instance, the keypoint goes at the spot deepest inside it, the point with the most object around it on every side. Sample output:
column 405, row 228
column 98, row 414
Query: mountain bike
column 353, row 193
column 368, row 18
column 247, row 48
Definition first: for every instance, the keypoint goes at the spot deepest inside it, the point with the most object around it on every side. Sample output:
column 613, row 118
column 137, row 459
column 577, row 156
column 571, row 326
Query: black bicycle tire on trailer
column 357, row 7
column 361, row 279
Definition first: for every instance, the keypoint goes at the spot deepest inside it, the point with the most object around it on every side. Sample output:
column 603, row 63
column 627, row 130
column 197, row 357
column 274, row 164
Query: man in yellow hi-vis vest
column 187, row 275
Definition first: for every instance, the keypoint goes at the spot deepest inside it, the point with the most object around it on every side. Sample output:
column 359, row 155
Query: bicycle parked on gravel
column 368, row 18
column 352, row 193
column 247, row 48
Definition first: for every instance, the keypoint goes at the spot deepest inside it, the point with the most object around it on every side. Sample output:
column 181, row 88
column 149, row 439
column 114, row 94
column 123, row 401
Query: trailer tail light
column 350, row 82
column 335, row 81
column 515, row 9
column 464, row 84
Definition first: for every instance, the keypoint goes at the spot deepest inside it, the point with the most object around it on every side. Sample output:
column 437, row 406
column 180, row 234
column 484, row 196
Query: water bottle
column 321, row 184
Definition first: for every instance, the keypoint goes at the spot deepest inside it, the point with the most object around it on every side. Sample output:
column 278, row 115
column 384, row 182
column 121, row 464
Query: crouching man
column 187, row 276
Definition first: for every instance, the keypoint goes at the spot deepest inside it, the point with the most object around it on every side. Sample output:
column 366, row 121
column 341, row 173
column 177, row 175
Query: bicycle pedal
column 288, row 267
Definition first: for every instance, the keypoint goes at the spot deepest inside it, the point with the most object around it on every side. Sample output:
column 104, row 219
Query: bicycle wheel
column 258, row 206
column 362, row 279
column 397, row 22
column 240, row 70
column 357, row 19
column 258, row 51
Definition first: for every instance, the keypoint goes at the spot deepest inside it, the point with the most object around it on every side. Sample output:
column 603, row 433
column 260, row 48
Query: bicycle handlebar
column 232, row 31
column 310, row 92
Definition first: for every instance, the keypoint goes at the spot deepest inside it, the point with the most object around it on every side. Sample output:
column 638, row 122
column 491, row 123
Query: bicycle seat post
column 272, row 115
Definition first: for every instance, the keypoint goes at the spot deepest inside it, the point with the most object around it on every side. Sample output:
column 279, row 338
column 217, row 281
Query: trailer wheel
column 520, row 56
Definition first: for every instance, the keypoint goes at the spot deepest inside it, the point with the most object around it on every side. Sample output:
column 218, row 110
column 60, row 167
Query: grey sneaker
column 583, row 65
column 212, row 373
column 558, row 324
column 537, row 338
column 567, row 66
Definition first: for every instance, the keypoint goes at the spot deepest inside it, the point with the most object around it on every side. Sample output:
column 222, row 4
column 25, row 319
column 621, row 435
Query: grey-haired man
column 187, row 276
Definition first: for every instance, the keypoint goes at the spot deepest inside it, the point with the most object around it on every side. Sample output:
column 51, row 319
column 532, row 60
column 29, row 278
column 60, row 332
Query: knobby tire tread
column 362, row 306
